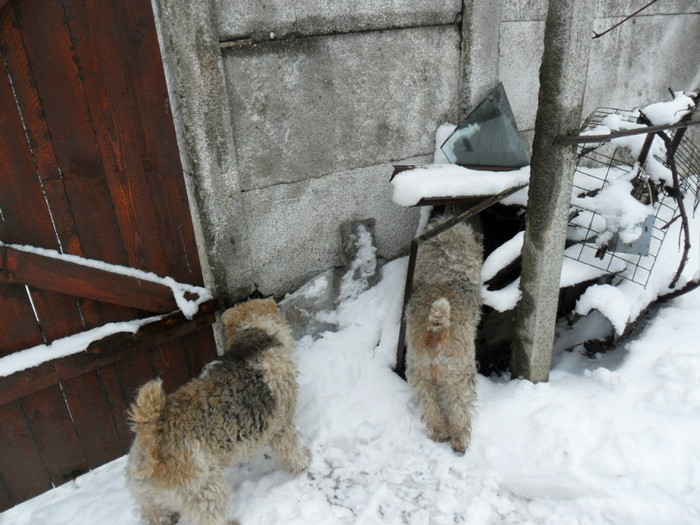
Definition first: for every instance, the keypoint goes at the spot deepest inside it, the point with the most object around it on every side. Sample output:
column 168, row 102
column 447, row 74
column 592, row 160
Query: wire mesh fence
column 592, row 234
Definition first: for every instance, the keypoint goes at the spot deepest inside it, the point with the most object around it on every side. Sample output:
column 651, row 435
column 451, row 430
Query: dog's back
column 441, row 319
column 447, row 279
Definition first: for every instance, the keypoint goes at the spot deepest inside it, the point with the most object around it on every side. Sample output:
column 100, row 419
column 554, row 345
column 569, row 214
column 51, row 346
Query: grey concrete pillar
column 189, row 41
column 568, row 33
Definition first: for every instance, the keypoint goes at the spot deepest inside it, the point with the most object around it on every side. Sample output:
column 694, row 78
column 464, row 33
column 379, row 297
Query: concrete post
column 568, row 33
column 194, row 70
column 479, row 54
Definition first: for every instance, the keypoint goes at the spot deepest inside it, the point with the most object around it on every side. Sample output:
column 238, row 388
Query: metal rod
column 598, row 35
column 566, row 140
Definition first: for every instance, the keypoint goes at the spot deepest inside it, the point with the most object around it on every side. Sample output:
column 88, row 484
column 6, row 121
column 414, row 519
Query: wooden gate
column 89, row 166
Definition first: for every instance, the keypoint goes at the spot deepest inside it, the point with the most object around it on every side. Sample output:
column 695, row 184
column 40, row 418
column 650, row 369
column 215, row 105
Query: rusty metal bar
column 565, row 140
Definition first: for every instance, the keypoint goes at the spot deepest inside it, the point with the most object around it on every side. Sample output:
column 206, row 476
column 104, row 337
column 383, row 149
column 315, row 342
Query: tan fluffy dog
column 441, row 319
column 238, row 404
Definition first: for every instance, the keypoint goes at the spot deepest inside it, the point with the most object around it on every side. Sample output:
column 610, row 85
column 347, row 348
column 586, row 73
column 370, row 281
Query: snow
column 450, row 180
column 76, row 343
column 188, row 307
column 666, row 113
column 608, row 440
column 66, row 346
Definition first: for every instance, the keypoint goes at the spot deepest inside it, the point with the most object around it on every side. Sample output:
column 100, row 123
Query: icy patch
column 362, row 268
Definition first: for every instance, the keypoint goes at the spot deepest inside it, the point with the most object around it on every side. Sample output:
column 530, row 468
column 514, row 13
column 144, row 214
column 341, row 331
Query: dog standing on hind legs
column 442, row 316
column 240, row 403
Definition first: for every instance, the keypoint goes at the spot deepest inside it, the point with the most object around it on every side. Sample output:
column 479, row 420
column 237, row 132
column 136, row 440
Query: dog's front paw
column 458, row 446
column 300, row 462
column 439, row 435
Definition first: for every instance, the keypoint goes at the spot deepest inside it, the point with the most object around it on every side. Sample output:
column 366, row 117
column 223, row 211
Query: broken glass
column 488, row 138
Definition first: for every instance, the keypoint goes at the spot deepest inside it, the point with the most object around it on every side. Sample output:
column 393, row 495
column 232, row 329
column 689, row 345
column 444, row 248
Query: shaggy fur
column 238, row 404
column 441, row 319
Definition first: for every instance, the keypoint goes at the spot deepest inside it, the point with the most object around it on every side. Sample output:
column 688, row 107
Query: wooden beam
column 59, row 275
column 103, row 352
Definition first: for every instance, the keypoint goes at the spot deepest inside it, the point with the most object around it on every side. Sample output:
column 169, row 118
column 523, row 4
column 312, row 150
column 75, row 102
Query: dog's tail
column 439, row 317
column 144, row 413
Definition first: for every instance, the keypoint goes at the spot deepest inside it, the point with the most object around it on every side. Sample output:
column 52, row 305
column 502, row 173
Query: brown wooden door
column 89, row 166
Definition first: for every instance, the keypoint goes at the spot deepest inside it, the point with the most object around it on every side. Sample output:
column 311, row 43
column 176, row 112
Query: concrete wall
column 292, row 113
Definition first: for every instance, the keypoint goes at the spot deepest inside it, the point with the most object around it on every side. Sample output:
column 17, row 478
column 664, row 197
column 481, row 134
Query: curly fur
column 441, row 318
column 239, row 403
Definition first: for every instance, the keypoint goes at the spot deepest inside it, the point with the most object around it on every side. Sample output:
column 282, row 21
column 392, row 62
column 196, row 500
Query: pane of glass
column 488, row 138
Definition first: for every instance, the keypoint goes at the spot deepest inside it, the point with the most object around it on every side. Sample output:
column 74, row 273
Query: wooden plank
column 134, row 370
column 171, row 364
column 19, row 328
column 48, row 171
column 57, row 79
column 93, row 419
column 20, row 462
column 109, row 98
column 5, row 498
column 26, row 217
column 201, row 350
column 102, row 353
column 139, row 51
column 118, row 402
column 58, row 275
column 55, row 436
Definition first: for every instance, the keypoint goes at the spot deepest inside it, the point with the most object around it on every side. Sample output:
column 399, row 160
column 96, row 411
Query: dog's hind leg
column 460, row 398
column 287, row 446
column 430, row 406
column 156, row 515
column 206, row 502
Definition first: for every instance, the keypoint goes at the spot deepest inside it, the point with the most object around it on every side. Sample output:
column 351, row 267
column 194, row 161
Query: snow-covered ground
column 606, row 440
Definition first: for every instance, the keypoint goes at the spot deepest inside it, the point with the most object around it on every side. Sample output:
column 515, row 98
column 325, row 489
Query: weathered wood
column 26, row 217
column 66, row 277
column 103, row 352
column 118, row 402
column 139, row 53
column 91, row 161
column 171, row 367
column 93, row 421
column 108, row 96
column 48, row 171
column 57, row 79
column 53, row 431
column 22, row 469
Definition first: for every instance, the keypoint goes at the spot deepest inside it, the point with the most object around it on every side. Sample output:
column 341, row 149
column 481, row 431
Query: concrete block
column 309, row 107
column 294, row 227
column 253, row 18
column 520, row 56
column 635, row 64
column 524, row 10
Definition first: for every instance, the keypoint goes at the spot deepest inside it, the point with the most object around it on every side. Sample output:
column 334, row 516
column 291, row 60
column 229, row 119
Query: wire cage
column 592, row 239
